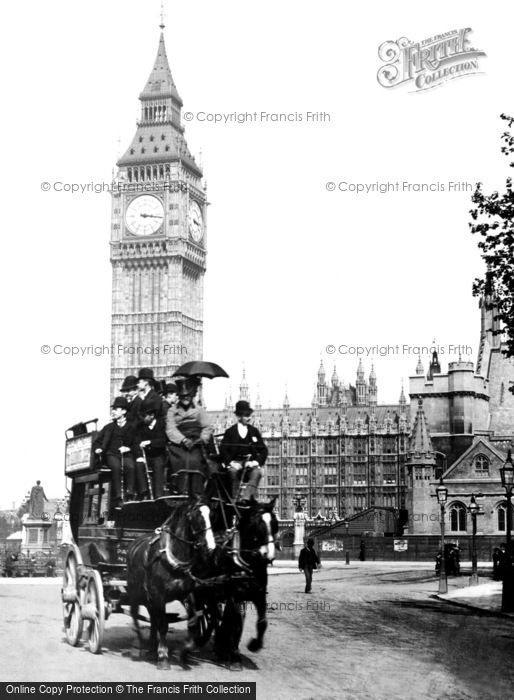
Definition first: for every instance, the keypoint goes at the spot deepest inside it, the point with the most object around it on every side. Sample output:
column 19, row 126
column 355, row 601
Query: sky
column 300, row 266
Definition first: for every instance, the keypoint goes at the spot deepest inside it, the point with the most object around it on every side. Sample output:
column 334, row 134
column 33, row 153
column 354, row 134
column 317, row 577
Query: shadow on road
column 122, row 641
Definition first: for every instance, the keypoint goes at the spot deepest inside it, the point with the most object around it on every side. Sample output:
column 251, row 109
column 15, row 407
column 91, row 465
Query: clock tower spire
column 158, row 238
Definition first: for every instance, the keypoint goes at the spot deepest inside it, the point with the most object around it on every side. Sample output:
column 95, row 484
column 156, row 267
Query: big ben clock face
column 195, row 222
column 144, row 215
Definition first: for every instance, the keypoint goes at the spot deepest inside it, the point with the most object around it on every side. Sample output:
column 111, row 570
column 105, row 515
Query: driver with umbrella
column 189, row 432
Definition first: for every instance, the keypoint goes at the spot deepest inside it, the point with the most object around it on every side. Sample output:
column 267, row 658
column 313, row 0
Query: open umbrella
column 199, row 368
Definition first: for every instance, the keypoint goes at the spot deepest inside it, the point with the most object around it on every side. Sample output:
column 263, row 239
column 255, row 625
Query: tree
column 493, row 221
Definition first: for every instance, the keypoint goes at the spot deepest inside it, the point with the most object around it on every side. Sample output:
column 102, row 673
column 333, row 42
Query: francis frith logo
column 428, row 63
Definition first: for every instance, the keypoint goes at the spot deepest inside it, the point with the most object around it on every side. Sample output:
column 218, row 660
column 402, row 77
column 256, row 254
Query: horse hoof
column 184, row 660
column 163, row 665
column 254, row 645
column 235, row 665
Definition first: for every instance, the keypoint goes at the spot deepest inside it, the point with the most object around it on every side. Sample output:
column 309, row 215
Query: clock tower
column 158, row 239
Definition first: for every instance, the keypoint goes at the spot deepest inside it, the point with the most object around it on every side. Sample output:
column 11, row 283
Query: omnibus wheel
column 72, row 614
column 93, row 612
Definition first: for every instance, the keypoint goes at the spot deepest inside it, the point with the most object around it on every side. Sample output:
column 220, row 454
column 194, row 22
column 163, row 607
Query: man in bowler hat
column 307, row 562
column 243, row 451
column 114, row 444
column 151, row 437
column 130, row 391
column 170, row 397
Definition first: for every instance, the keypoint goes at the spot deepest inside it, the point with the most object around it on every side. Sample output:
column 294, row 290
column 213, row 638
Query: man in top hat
column 146, row 390
column 189, row 432
column 243, row 451
column 151, row 444
column 114, row 444
column 130, row 391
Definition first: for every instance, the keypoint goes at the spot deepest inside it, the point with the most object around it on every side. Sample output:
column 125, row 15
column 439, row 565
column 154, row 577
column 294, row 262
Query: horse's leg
column 192, row 630
column 238, row 620
column 134, row 611
column 161, row 623
column 260, row 605
column 229, row 633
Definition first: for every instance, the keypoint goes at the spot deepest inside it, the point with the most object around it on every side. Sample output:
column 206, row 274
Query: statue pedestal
column 299, row 533
column 36, row 535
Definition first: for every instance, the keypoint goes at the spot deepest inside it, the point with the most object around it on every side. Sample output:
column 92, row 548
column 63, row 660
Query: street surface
column 369, row 630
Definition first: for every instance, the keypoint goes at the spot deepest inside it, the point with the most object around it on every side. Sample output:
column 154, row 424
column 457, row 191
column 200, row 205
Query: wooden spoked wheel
column 208, row 620
column 93, row 612
column 72, row 614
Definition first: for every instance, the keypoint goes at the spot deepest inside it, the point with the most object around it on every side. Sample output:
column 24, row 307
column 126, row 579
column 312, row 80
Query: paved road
column 367, row 631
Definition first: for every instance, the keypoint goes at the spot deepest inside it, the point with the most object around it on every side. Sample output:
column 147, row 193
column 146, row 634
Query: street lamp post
column 507, row 477
column 442, row 497
column 473, row 509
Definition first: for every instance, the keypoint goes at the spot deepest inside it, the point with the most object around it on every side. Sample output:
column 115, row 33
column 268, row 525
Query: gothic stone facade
column 338, row 457
column 469, row 418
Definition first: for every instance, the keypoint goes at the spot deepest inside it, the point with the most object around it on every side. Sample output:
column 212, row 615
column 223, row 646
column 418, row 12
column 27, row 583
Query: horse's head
column 258, row 526
column 199, row 519
column 187, row 529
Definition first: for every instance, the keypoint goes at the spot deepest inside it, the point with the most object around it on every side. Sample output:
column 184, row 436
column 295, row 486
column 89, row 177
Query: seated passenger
column 151, row 437
column 189, row 432
column 130, row 391
column 114, row 444
column 170, row 397
column 242, row 450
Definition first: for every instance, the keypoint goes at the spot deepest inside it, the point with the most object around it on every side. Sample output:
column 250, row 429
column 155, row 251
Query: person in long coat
column 307, row 562
column 151, row 442
column 115, row 445
column 243, row 451
column 189, row 432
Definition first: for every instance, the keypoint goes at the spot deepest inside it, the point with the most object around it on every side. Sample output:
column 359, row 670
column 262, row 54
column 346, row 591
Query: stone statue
column 37, row 501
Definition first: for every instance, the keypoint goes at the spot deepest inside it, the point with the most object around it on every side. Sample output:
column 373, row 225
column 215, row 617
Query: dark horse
column 167, row 566
column 256, row 529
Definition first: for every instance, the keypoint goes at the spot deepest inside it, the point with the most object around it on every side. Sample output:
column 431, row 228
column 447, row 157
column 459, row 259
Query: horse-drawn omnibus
column 151, row 552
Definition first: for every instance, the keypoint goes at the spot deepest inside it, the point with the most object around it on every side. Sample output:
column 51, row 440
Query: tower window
column 166, row 148
column 155, row 149
column 151, row 138
column 163, row 136
column 502, row 394
column 142, row 150
column 140, row 139
column 132, row 151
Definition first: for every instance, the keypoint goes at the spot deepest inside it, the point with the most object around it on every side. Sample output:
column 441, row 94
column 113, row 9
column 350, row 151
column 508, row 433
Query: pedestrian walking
column 308, row 561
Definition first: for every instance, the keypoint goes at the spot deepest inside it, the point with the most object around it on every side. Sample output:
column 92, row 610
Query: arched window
column 501, row 514
column 458, row 517
column 482, row 464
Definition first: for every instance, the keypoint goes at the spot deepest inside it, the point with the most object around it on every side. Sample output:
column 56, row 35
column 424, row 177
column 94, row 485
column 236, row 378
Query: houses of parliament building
column 340, row 455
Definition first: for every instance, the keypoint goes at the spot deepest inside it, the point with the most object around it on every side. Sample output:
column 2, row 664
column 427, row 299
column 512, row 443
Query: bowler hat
column 243, row 408
column 146, row 373
column 170, row 388
column 120, row 402
column 129, row 383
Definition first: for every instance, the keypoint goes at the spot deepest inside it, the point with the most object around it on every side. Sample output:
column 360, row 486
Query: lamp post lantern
column 473, row 510
column 442, row 497
column 507, row 478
